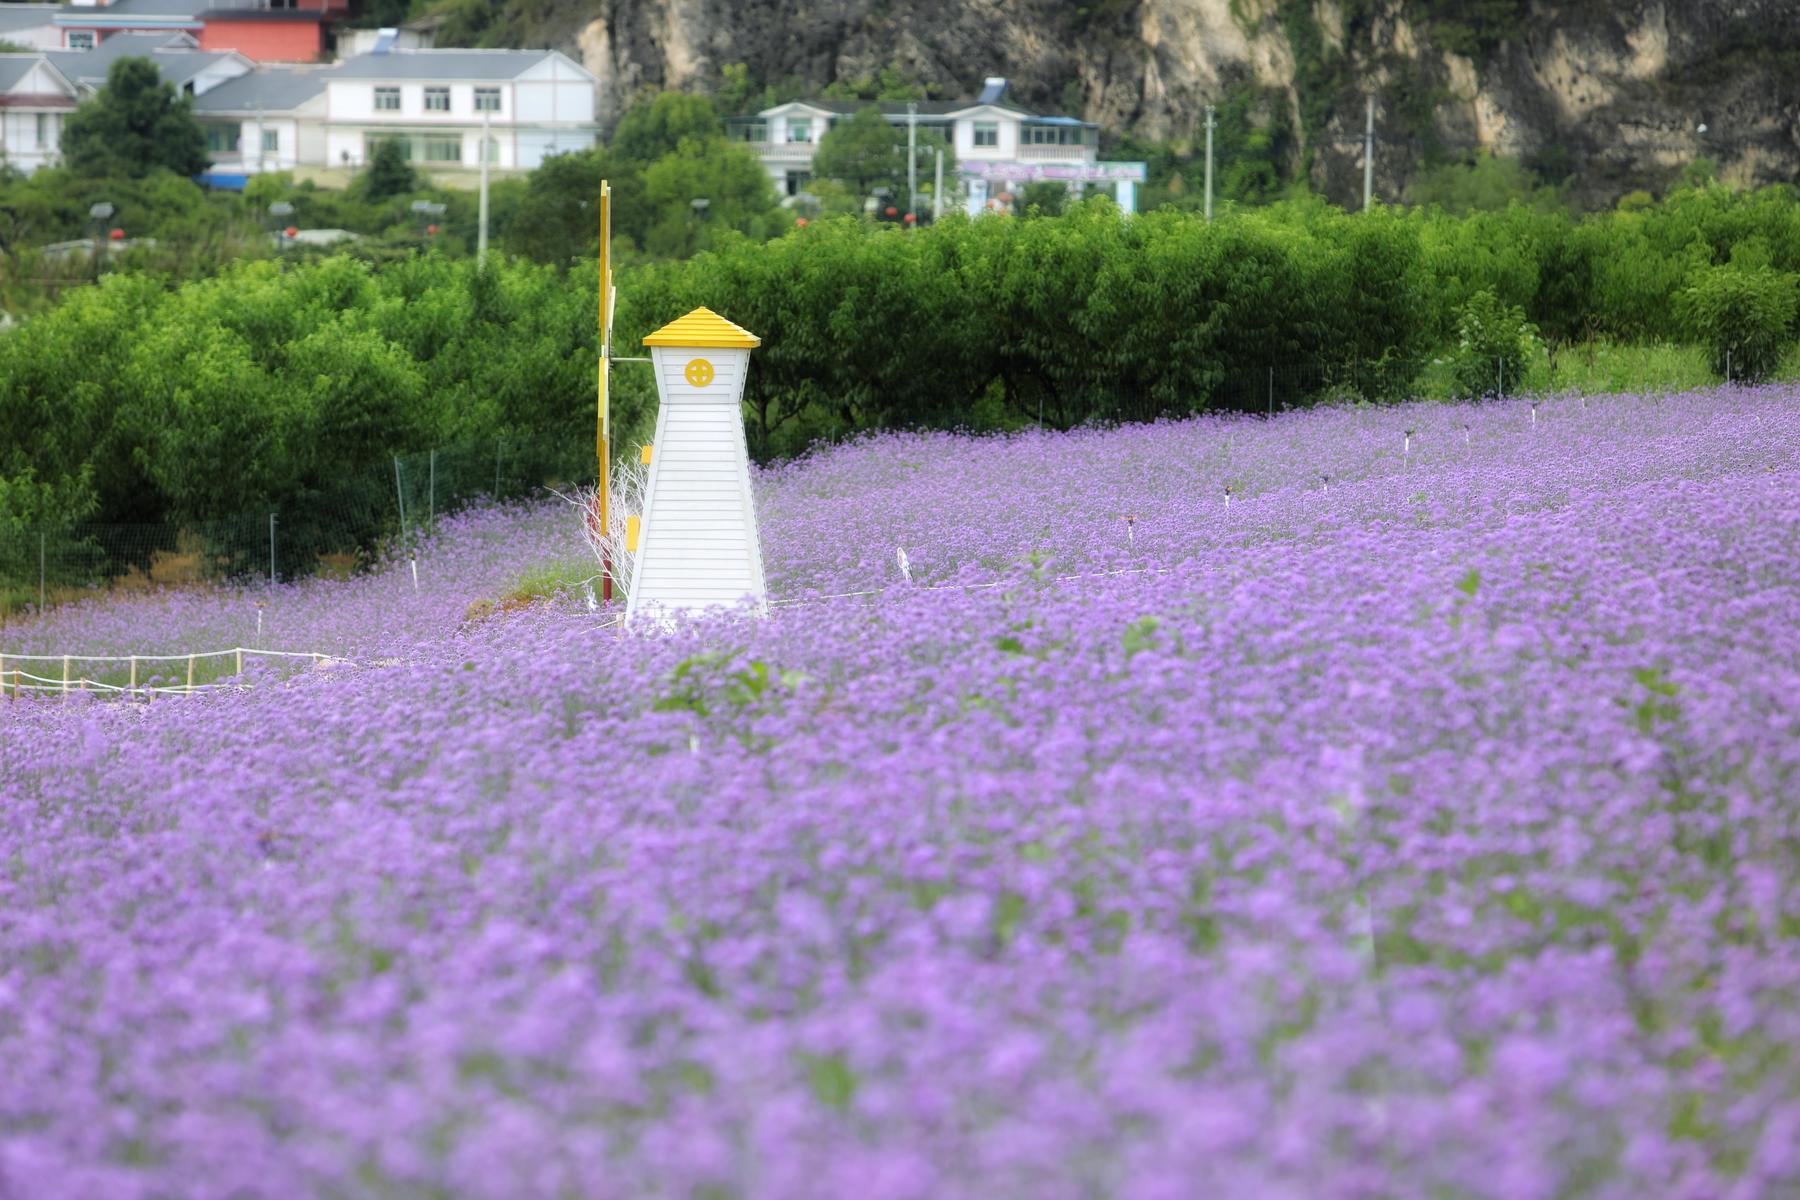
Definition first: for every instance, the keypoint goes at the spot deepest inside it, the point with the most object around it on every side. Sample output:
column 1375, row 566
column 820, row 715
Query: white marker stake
column 1130, row 537
column 905, row 566
column 415, row 571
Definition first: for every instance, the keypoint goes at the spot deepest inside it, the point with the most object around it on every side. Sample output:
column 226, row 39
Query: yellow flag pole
column 601, row 449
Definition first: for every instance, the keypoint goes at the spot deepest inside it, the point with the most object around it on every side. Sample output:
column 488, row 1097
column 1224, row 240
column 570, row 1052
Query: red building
column 273, row 32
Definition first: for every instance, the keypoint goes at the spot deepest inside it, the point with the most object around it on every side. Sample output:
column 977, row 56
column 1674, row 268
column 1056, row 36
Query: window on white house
column 223, row 139
column 799, row 129
column 987, row 133
column 491, row 149
column 797, row 181
column 387, row 99
column 271, row 141
column 43, row 130
column 439, row 148
column 748, row 131
column 437, row 99
column 487, row 100
column 81, row 39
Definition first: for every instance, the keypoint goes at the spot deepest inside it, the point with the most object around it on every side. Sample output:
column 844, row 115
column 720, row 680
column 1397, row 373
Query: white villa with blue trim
column 998, row 145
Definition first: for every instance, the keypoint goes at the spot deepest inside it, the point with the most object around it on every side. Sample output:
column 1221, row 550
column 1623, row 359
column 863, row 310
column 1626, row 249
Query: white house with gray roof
column 30, row 26
column 535, row 102
column 435, row 103
column 39, row 91
column 270, row 119
column 35, row 100
column 999, row 145
column 177, row 57
column 276, row 117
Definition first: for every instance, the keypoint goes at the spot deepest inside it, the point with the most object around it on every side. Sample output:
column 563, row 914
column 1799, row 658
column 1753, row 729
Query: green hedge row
column 277, row 384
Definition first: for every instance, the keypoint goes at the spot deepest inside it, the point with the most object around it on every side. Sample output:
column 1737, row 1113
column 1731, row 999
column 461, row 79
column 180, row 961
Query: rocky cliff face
column 1612, row 90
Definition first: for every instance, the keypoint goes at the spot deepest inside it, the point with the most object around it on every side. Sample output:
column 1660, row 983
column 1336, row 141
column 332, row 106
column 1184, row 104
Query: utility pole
column 481, row 238
column 1369, row 155
column 937, row 188
column 1209, row 160
column 912, row 156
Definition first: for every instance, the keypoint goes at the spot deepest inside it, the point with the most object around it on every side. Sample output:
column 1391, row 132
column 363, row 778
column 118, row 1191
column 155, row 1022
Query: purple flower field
column 1423, row 821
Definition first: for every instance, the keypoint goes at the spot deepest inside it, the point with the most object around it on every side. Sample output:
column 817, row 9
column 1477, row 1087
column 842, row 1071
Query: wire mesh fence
column 343, row 524
column 331, row 529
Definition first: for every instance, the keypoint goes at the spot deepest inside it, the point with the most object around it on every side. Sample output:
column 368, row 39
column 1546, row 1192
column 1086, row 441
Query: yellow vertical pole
column 601, row 433
column 65, row 687
column 240, row 660
column 605, row 330
column 2, row 674
column 134, row 671
column 190, row 672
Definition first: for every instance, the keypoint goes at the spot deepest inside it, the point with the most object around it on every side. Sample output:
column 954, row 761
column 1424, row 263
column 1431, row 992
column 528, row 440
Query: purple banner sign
column 1016, row 172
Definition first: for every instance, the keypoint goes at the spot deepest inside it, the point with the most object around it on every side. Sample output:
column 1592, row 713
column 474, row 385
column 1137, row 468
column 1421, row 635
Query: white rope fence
column 15, row 681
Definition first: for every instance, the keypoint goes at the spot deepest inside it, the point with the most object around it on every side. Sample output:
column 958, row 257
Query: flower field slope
column 1420, row 819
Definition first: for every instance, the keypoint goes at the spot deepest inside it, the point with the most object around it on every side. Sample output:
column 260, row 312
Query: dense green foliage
column 1095, row 316
column 274, row 382
column 132, row 125
column 1495, row 345
column 273, row 387
column 389, row 173
column 664, row 156
column 867, row 155
column 1742, row 316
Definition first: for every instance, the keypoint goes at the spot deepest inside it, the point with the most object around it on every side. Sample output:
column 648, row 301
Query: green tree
column 1044, row 198
column 649, row 131
column 389, row 174
column 1742, row 316
column 738, row 195
column 1496, row 346
column 134, row 123
column 864, row 153
column 557, row 220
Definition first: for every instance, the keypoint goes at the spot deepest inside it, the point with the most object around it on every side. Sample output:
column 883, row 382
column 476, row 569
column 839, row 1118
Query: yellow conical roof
column 703, row 327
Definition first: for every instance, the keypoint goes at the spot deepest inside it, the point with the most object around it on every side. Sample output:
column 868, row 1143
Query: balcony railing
column 1030, row 153
column 784, row 150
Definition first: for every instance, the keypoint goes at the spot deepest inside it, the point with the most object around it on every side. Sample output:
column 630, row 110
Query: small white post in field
column 1406, row 447
column 1534, row 405
column 905, row 565
column 1130, row 537
column 415, row 572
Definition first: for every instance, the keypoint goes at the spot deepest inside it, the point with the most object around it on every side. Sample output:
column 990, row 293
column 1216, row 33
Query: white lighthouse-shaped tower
column 697, row 543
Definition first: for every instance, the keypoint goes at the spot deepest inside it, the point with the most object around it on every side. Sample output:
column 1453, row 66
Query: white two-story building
column 276, row 117
column 434, row 103
column 999, row 146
